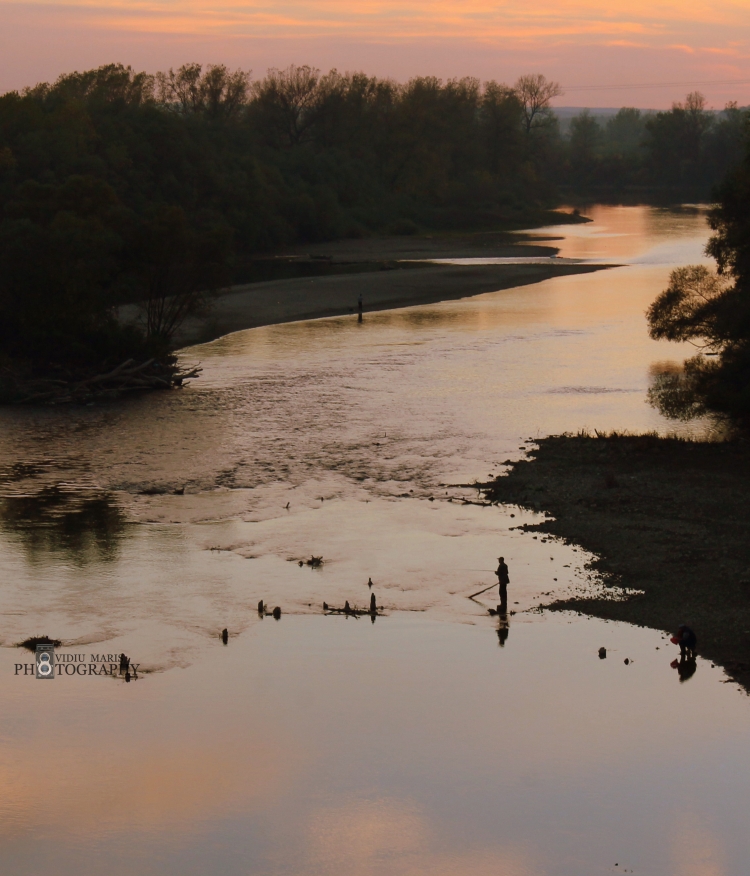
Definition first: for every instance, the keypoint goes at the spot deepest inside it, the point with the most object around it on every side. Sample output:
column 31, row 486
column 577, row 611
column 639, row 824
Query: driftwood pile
column 127, row 377
column 373, row 611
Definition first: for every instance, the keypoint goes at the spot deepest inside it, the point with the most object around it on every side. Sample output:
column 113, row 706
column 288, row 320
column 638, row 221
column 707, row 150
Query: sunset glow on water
column 432, row 739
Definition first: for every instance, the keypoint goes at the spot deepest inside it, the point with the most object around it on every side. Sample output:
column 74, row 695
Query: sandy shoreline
column 401, row 275
column 276, row 301
column 666, row 517
column 279, row 301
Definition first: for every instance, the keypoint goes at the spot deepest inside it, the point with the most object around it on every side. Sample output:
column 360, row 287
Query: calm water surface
column 429, row 742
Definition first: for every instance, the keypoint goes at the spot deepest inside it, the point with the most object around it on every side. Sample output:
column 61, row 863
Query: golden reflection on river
column 436, row 740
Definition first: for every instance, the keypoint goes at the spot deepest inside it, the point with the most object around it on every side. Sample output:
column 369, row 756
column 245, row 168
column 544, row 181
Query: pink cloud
column 574, row 41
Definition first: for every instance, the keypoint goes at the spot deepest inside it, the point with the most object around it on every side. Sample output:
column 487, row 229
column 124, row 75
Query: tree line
column 119, row 186
column 682, row 153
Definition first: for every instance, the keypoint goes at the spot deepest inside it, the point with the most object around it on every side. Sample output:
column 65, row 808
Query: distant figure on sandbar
column 360, row 307
column 503, row 580
column 686, row 639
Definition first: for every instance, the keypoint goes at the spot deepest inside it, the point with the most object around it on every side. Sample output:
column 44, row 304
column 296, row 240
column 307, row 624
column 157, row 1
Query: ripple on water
column 436, row 740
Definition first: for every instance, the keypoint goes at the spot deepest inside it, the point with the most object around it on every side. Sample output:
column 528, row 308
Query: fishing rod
column 479, row 592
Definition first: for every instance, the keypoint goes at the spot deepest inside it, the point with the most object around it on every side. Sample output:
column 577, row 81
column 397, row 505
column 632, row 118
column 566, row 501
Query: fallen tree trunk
column 125, row 378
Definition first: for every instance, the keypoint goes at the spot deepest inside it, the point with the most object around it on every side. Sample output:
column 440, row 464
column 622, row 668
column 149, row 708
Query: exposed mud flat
column 382, row 271
column 279, row 301
column 669, row 518
column 444, row 245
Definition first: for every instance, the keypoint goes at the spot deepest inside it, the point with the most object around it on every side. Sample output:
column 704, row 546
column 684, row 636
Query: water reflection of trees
column 83, row 527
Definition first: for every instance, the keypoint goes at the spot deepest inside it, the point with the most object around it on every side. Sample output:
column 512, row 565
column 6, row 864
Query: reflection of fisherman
column 503, row 580
column 503, row 628
column 685, row 667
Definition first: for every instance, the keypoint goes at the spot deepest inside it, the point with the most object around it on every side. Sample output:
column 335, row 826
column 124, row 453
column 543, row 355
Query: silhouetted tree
column 675, row 141
column 286, row 104
column 624, row 132
column 176, row 269
column 60, row 257
column 217, row 93
column 535, row 94
column 712, row 310
column 585, row 145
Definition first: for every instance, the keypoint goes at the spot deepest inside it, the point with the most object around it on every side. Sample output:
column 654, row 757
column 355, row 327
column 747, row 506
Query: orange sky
column 578, row 42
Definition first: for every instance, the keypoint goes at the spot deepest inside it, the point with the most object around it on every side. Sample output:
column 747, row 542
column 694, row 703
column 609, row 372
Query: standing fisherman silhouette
column 360, row 305
column 503, row 580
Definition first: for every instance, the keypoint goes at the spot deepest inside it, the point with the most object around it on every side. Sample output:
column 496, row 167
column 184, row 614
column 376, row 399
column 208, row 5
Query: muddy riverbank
column 280, row 301
column 666, row 517
column 388, row 272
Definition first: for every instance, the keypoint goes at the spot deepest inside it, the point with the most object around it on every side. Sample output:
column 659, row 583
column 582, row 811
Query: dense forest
column 119, row 186
column 679, row 154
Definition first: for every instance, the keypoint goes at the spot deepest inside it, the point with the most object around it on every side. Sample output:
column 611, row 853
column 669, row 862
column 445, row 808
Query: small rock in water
column 602, row 653
column 225, row 635
column 626, row 661
column 325, row 606
column 276, row 613
column 347, row 608
column 261, row 607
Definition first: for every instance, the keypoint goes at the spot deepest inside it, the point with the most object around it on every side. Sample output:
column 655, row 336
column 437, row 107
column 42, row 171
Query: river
column 432, row 741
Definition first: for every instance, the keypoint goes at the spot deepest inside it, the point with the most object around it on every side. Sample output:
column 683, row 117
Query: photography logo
column 45, row 661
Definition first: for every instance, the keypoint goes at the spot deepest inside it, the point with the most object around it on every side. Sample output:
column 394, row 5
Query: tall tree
column 676, row 140
column 217, row 93
column 535, row 93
